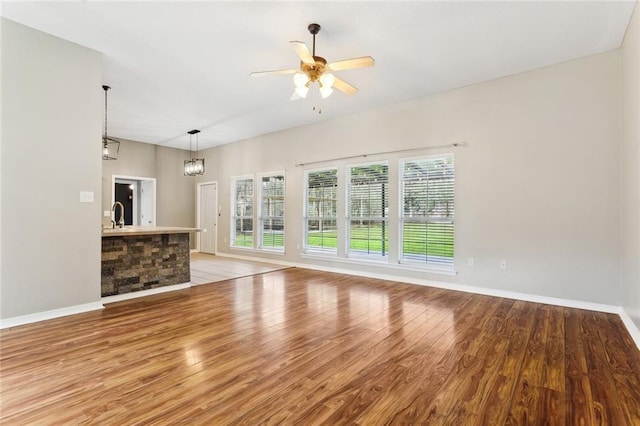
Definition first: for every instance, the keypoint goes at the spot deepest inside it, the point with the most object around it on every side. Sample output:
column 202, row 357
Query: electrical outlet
column 503, row 265
column 106, row 213
column 470, row 261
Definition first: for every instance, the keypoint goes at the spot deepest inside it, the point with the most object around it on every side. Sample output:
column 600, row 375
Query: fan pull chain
column 314, row 98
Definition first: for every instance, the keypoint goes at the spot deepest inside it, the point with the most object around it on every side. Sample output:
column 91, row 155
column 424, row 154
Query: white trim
column 347, row 198
column 382, row 263
column 259, row 219
column 198, row 224
column 143, row 293
column 232, row 216
column 633, row 330
column 48, row 315
column 136, row 178
column 479, row 290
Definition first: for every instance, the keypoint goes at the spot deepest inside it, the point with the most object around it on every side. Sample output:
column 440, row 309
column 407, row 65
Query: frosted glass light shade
column 325, row 91
column 302, row 91
column 300, row 79
column 327, row 80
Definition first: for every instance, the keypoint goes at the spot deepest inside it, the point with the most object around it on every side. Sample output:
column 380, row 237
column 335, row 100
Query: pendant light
column 194, row 166
column 110, row 146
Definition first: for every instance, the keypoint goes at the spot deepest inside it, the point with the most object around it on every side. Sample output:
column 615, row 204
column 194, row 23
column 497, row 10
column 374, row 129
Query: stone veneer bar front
column 135, row 259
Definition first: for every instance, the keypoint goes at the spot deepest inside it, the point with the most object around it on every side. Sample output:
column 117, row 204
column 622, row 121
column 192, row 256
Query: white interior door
column 146, row 203
column 208, row 217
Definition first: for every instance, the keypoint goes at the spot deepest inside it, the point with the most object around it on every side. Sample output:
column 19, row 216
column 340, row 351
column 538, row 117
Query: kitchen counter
column 137, row 258
column 145, row 230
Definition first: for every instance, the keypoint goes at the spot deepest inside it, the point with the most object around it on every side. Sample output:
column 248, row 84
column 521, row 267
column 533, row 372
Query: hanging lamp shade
column 193, row 166
column 110, row 146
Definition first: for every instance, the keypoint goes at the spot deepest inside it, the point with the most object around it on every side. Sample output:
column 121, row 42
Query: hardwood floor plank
column 603, row 388
column 297, row 346
column 534, row 402
column 580, row 402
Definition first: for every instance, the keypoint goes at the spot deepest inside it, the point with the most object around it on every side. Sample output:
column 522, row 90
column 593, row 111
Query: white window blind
column 242, row 220
column 272, row 212
column 367, row 209
column 427, row 210
column 321, row 197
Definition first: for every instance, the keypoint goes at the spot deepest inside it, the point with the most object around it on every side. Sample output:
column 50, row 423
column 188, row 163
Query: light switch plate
column 106, row 213
column 86, row 196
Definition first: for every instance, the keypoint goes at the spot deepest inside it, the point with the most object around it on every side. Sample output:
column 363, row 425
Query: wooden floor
column 303, row 347
column 208, row 268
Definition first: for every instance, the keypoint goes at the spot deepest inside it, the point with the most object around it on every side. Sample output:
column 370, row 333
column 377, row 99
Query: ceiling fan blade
column 303, row 52
column 344, row 87
column 262, row 73
column 347, row 64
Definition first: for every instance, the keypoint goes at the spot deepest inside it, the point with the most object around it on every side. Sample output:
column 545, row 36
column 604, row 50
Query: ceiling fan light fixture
column 326, row 80
column 325, row 92
column 302, row 91
column 300, row 80
column 315, row 69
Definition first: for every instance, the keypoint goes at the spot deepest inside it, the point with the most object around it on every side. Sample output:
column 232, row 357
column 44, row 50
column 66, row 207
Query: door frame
column 137, row 179
column 199, row 186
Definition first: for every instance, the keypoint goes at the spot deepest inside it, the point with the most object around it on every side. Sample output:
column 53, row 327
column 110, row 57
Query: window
column 242, row 220
column 321, row 194
column 272, row 212
column 427, row 210
column 367, row 209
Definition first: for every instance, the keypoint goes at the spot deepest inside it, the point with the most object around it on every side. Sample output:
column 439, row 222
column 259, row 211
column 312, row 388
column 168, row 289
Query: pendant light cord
column 106, row 88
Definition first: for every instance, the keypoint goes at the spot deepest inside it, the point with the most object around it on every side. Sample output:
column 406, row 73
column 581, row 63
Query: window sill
column 270, row 251
column 382, row 263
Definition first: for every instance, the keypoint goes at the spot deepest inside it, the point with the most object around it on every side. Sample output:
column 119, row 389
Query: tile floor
column 208, row 268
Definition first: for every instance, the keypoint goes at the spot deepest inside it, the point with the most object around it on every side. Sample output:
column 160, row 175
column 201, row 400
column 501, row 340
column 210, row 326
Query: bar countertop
column 146, row 230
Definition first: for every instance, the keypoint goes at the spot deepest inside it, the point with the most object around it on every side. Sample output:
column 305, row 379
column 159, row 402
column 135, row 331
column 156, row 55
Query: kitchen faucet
column 113, row 215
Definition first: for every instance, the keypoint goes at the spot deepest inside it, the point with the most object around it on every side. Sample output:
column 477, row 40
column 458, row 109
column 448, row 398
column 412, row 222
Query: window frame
column 426, row 264
column 233, row 236
column 333, row 252
column 383, row 256
column 261, row 218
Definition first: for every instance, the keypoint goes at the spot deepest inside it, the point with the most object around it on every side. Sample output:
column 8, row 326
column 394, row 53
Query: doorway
column 207, row 213
column 138, row 195
column 124, row 195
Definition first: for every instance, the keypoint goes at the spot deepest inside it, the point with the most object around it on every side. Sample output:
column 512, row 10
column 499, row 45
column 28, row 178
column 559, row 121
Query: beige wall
column 51, row 125
column 537, row 186
column 630, row 162
column 175, row 193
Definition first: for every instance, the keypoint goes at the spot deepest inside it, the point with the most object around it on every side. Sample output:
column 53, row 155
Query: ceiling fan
column 316, row 69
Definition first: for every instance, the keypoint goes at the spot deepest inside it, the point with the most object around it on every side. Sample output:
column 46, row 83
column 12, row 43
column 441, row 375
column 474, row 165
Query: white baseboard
column 634, row 331
column 47, row 315
column 142, row 293
column 568, row 303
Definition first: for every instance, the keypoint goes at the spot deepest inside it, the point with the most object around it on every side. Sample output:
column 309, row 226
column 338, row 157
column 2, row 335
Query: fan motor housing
column 314, row 70
column 314, row 28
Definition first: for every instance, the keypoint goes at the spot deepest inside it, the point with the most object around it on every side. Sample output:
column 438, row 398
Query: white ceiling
column 176, row 66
